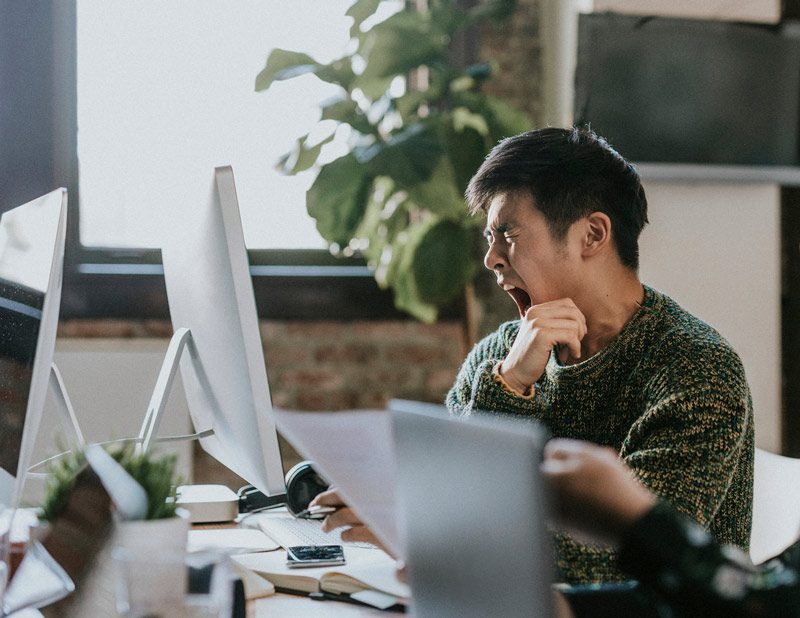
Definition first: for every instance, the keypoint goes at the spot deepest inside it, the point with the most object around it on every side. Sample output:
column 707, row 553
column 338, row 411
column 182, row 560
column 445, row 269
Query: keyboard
column 287, row 531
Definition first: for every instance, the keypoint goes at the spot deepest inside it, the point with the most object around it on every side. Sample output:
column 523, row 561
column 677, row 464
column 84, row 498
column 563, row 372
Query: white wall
column 110, row 382
column 715, row 248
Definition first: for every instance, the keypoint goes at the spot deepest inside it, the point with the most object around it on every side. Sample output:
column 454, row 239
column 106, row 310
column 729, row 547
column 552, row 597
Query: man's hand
column 544, row 326
column 595, row 493
column 343, row 516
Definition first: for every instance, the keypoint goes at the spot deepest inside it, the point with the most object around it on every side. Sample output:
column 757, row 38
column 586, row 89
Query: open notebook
column 366, row 571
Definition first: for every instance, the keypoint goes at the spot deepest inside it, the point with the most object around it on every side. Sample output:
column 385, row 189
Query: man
column 595, row 354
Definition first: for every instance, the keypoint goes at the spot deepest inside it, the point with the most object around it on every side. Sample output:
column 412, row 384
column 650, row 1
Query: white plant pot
column 141, row 568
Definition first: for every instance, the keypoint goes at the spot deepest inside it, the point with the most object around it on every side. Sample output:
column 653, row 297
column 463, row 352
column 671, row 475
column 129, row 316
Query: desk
column 289, row 605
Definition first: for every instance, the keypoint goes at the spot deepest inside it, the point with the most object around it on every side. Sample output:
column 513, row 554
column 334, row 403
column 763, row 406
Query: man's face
column 529, row 264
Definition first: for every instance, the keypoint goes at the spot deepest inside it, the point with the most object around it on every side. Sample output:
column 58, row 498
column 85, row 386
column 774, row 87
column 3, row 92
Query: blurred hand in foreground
column 595, row 493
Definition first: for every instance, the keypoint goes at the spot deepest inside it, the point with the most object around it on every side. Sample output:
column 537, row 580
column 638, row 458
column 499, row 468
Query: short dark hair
column 569, row 173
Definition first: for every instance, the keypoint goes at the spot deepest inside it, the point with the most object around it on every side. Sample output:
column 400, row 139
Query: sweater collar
column 650, row 303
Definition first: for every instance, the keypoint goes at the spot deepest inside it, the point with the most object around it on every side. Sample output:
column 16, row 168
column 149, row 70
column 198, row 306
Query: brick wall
column 327, row 365
column 339, row 365
column 515, row 46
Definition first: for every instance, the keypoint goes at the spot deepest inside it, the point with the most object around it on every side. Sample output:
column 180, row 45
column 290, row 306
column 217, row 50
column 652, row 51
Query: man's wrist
column 511, row 384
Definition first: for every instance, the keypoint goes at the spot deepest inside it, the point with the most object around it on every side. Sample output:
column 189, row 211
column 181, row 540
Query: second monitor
column 222, row 364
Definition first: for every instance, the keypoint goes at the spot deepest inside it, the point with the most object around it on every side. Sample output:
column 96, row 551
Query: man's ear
column 597, row 233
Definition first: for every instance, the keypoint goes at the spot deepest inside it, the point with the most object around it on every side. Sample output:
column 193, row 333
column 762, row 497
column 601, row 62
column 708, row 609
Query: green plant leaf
column 464, row 119
column 447, row 16
column 505, row 120
column 283, row 64
column 346, row 110
column 400, row 277
column 462, row 83
column 338, row 72
column 408, row 104
column 360, row 11
column 338, row 198
column 440, row 194
column 409, row 156
column 441, row 260
column 302, row 156
column 433, row 260
column 401, row 43
column 156, row 475
column 466, row 148
column 406, row 299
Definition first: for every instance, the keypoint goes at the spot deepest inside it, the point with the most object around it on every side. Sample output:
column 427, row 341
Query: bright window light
column 166, row 91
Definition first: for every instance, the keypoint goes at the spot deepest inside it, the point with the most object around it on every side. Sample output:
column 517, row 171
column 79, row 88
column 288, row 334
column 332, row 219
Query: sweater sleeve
column 677, row 558
column 688, row 443
column 685, row 446
column 477, row 389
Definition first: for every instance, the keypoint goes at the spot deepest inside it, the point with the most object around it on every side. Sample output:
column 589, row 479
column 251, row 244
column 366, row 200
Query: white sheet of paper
column 229, row 540
column 354, row 451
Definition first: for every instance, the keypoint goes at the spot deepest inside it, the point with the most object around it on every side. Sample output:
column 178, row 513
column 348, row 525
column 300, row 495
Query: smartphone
column 314, row 555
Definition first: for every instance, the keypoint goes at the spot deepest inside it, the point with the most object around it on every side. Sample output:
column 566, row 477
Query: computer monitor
column 223, row 370
column 31, row 263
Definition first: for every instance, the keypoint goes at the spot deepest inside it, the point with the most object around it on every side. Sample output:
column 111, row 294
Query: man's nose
column 493, row 260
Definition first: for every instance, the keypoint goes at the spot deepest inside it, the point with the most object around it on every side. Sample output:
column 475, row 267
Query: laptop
column 472, row 506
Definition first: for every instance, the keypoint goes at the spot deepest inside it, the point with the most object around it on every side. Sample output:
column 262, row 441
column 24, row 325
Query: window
column 174, row 86
column 146, row 103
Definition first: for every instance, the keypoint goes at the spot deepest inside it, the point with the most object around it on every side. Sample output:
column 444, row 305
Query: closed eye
column 500, row 230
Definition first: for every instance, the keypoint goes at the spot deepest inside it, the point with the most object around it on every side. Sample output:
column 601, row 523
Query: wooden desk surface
column 298, row 606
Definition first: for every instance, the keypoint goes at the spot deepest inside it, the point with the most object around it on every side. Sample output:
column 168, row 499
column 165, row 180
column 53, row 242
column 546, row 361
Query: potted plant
column 147, row 553
column 156, row 475
column 416, row 127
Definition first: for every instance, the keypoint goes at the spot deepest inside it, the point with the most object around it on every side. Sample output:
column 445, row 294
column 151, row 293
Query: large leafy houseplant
column 418, row 127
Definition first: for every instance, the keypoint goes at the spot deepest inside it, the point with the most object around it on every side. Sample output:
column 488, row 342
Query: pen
column 314, row 511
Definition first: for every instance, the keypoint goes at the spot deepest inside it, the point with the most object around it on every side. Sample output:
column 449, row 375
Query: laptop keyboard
column 287, row 531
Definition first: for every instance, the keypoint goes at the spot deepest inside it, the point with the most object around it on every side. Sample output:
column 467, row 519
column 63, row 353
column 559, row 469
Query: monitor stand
column 206, row 503
column 66, row 413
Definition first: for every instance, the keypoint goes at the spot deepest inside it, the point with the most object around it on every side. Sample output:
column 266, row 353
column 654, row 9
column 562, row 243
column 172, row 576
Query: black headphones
column 303, row 483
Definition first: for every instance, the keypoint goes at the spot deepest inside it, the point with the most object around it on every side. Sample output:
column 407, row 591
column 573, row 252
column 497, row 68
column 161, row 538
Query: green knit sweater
column 669, row 393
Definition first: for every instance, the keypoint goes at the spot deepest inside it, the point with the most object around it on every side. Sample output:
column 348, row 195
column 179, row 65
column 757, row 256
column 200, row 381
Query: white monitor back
column 31, row 270
column 224, row 374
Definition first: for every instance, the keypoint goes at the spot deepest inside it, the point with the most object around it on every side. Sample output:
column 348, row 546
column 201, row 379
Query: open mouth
column 520, row 297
